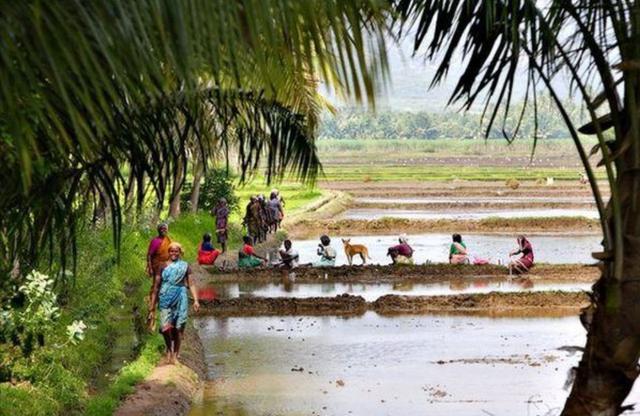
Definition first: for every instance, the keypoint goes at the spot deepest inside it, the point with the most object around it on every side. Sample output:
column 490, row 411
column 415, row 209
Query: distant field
column 453, row 147
column 446, row 160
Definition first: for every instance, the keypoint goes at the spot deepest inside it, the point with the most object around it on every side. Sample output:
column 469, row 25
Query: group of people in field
column 263, row 216
column 172, row 275
column 459, row 254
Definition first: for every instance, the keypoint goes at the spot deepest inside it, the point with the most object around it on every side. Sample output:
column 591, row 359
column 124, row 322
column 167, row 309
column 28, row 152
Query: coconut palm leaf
column 593, row 44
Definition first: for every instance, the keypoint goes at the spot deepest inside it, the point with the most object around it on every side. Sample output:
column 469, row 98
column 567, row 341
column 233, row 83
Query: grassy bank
column 377, row 172
column 63, row 377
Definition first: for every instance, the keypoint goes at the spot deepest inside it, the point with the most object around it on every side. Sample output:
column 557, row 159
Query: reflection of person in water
column 458, row 285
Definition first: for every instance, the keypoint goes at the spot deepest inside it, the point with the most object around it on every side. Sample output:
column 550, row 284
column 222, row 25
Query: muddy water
column 370, row 292
column 373, row 365
column 375, row 213
column 476, row 199
column 435, row 248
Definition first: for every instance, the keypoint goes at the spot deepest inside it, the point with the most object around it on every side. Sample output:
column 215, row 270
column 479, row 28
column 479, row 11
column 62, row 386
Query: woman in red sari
column 525, row 262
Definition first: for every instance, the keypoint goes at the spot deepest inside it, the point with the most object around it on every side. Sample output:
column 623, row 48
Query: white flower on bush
column 75, row 331
column 37, row 284
column 41, row 302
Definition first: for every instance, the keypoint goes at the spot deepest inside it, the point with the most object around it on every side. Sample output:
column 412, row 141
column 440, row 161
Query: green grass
column 56, row 380
column 333, row 148
column 107, row 402
column 445, row 173
column 426, row 160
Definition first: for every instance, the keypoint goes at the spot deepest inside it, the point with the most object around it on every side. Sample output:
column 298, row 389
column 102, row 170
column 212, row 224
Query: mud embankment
column 386, row 226
column 518, row 303
column 428, row 273
column 550, row 303
column 170, row 389
column 254, row 306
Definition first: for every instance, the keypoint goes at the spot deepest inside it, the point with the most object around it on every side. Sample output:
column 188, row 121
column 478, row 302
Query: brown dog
column 352, row 249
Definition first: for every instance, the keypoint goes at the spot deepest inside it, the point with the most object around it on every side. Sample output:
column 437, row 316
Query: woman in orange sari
column 158, row 252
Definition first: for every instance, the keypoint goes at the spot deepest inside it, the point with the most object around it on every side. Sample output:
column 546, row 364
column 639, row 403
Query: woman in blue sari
column 170, row 296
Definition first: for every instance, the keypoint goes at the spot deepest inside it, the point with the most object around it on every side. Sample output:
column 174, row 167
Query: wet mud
column 552, row 303
column 548, row 303
column 388, row 274
column 315, row 227
column 257, row 306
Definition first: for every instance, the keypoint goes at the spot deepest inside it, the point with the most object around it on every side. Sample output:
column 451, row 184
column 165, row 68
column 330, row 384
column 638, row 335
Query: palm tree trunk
column 174, row 205
column 609, row 364
column 195, row 190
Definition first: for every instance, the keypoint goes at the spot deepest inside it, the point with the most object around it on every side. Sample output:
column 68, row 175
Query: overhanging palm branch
column 75, row 77
column 145, row 153
column 65, row 65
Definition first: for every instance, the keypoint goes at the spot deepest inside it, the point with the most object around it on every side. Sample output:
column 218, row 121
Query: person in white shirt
column 289, row 256
column 326, row 252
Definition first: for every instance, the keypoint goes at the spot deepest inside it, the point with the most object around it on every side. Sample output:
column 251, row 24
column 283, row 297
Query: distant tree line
column 354, row 123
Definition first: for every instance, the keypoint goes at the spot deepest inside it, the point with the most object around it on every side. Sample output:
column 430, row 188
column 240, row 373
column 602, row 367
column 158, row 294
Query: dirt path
column 170, row 389
column 549, row 303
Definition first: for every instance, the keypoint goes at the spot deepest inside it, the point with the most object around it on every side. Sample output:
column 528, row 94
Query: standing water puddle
column 375, row 214
column 372, row 291
column 374, row 365
column 435, row 248
column 469, row 199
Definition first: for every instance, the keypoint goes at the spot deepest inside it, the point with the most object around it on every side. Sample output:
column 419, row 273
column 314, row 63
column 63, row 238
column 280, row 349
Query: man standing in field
column 221, row 212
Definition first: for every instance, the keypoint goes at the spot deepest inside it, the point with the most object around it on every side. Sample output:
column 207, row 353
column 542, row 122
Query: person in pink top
column 525, row 262
column 401, row 253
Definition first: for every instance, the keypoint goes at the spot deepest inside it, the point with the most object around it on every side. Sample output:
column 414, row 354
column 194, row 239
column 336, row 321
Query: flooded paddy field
column 378, row 213
column 553, row 249
column 480, row 189
column 401, row 365
column 473, row 199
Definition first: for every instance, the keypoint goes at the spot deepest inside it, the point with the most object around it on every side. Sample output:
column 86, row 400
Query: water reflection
column 379, row 365
column 372, row 291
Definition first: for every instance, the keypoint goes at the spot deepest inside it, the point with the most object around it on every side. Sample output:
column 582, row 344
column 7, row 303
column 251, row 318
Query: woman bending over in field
column 525, row 262
column 458, row 251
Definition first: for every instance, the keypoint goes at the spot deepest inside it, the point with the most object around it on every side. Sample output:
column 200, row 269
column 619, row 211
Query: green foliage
column 218, row 183
column 88, row 129
column 353, row 123
column 107, row 296
column 26, row 400
column 134, row 372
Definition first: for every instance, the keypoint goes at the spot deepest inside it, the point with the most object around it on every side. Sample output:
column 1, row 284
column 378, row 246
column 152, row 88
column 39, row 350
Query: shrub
column 217, row 184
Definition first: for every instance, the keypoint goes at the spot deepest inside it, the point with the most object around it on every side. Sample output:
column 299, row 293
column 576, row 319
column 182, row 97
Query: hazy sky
column 411, row 77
